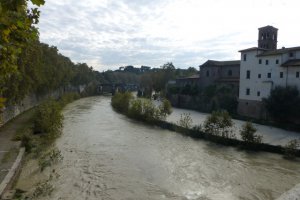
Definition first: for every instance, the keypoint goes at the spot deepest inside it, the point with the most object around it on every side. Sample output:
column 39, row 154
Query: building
column 263, row 68
column 220, row 72
column 193, row 80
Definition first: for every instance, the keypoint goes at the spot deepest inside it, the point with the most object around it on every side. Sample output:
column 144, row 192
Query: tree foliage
column 248, row 133
column 16, row 32
column 219, row 123
column 283, row 104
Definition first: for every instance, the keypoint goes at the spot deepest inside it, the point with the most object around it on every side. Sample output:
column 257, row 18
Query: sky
column 107, row 34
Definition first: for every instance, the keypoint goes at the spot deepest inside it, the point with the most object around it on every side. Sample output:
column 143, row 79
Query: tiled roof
column 279, row 51
column 291, row 63
column 221, row 63
column 252, row 49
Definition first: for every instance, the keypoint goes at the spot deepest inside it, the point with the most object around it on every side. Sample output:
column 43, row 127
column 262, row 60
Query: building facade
column 220, row 72
column 262, row 69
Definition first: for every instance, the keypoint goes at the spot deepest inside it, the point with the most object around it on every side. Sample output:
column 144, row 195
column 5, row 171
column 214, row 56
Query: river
column 108, row 156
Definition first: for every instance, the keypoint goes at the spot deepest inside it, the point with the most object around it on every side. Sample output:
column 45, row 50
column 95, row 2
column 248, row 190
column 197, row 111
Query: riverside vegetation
column 218, row 127
column 38, row 140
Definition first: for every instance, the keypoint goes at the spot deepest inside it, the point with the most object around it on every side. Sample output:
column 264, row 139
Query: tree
column 248, row 133
column 283, row 103
column 219, row 123
column 16, row 31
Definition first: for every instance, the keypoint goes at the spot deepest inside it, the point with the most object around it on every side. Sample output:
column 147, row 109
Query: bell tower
column 267, row 37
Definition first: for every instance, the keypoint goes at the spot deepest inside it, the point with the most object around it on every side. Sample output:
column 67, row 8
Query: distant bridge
column 112, row 88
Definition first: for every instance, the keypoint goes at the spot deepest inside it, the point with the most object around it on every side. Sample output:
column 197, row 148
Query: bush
column 219, row 123
column 165, row 109
column 142, row 109
column 48, row 119
column 283, row 104
column 120, row 101
column 68, row 98
column 248, row 134
column 185, row 120
column 50, row 158
column 291, row 148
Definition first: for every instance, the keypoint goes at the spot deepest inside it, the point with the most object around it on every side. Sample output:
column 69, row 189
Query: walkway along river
column 108, row 156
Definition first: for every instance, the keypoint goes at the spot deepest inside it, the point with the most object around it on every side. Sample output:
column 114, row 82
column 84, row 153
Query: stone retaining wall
column 12, row 174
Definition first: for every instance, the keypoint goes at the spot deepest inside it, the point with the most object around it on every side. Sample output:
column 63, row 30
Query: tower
column 267, row 37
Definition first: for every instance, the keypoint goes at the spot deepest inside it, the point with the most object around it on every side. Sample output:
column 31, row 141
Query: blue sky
column 107, row 34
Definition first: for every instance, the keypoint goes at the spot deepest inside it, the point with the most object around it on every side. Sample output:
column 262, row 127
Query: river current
column 108, row 156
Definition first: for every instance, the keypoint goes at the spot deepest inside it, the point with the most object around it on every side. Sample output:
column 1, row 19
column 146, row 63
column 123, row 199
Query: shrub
column 48, row 119
column 185, row 120
column 67, row 98
column 283, row 103
column 219, row 123
column 165, row 109
column 291, row 148
column 248, row 133
column 50, row 158
column 121, row 101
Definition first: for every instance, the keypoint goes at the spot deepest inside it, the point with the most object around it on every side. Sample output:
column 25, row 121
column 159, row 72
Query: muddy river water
column 108, row 156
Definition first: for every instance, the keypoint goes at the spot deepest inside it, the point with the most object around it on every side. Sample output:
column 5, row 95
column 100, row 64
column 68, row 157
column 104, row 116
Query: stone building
column 220, row 72
column 263, row 68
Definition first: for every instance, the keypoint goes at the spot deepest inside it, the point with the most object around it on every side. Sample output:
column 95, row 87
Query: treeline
column 208, row 99
column 42, row 69
column 26, row 65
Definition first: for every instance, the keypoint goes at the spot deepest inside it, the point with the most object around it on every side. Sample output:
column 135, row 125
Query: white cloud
column 110, row 33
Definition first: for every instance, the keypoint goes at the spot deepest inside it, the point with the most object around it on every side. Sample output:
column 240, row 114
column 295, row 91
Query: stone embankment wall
column 30, row 101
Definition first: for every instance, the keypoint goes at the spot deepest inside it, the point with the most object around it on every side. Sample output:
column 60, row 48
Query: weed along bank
column 106, row 154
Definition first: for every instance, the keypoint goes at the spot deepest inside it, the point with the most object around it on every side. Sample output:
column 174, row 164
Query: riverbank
column 147, row 114
column 10, row 148
column 40, row 152
column 110, row 156
column 285, row 126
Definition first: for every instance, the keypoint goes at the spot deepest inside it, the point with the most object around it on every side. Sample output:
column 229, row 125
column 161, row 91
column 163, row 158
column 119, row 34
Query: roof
column 252, row 49
column 268, row 27
column 291, row 63
column 195, row 76
column 221, row 63
column 279, row 51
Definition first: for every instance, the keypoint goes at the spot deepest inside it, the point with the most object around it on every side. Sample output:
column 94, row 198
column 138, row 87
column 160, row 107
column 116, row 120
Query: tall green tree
column 16, row 31
column 283, row 103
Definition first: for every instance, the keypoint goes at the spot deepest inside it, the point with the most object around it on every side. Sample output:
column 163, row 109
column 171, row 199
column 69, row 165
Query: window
column 267, row 62
column 245, row 57
column 259, row 61
column 248, row 74
column 207, row 73
column 281, row 74
column 248, row 91
column 277, row 61
column 269, row 75
column 291, row 54
column 259, row 76
column 230, row 72
column 258, row 93
column 297, row 74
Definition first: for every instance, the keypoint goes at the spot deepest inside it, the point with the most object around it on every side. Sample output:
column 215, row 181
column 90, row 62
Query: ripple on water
column 107, row 156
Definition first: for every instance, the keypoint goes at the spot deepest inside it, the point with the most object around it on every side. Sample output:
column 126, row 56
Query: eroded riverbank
column 107, row 156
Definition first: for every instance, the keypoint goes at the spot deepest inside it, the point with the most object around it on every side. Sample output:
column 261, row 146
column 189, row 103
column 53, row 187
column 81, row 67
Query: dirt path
column 9, row 148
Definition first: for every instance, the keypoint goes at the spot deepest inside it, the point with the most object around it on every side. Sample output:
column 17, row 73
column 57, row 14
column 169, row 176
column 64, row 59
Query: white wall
column 264, row 84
